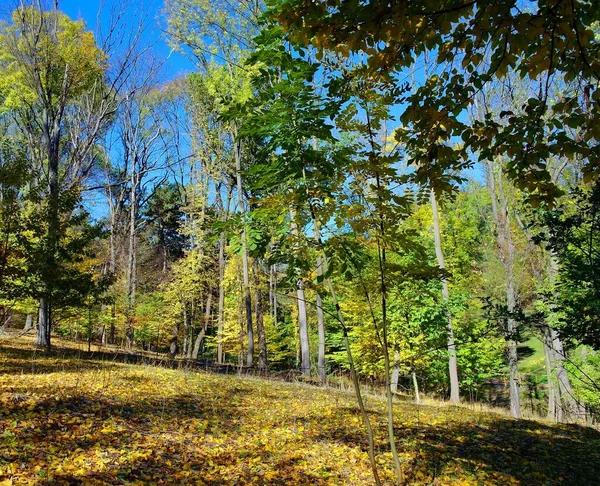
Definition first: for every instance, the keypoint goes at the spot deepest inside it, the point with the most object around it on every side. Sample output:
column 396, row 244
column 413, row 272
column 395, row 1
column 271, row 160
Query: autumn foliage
column 73, row 418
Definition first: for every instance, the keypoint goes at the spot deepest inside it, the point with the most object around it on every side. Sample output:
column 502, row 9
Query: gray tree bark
column 221, row 309
column 303, row 329
column 550, row 363
column 260, row 327
column 131, row 257
column 186, row 331
column 202, row 333
column 452, row 365
column 506, row 250
column 273, row 287
column 416, row 388
column 222, row 262
column 43, row 328
column 28, row 322
column 302, row 317
column 320, row 315
column 395, row 372
column 245, row 269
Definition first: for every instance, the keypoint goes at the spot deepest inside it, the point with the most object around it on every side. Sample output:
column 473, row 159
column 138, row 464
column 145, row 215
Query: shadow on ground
column 217, row 430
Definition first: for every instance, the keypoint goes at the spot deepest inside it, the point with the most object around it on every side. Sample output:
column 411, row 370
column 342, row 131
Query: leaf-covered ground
column 84, row 421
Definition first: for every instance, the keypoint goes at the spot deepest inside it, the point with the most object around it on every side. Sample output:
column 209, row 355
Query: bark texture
column 452, row 365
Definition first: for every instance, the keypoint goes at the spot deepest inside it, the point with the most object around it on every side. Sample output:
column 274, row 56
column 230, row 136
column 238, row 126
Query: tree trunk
column 303, row 330
column 321, row 370
column 355, row 382
column 302, row 317
column 274, row 293
column 320, row 326
column 28, row 323
column 248, row 298
column 260, row 327
column 567, row 405
column 550, row 361
column 221, row 309
column 571, row 407
column 51, row 130
column 202, row 334
column 190, row 328
column 321, row 269
column 452, row 366
column 416, row 388
column 186, row 331
column 515, row 399
column 112, row 268
column 173, row 345
column 241, row 323
column 131, row 259
column 506, row 249
column 43, row 329
column 395, row 372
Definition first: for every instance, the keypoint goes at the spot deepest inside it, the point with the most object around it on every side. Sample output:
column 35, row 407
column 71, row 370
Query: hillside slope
column 79, row 421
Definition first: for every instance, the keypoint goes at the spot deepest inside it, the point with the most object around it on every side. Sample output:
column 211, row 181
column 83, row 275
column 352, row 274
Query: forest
column 375, row 213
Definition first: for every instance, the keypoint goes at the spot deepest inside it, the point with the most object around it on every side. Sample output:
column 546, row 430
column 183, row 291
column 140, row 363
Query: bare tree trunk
column 274, row 291
column 52, row 135
column 112, row 268
column 202, row 334
column 241, row 323
column 416, row 388
column 303, row 329
column 260, row 327
column 452, row 366
column 395, row 372
column 515, row 399
column 567, row 405
column 386, row 352
column 28, row 322
column 550, row 361
column 186, row 332
column 191, row 320
column 271, row 290
column 131, row 258
column 246, row 275
column 222, row 262
column 173, row 345
column 321, row 331
column 221, row 309
column 320, row 322
column 506, row 249
column 572, row 408
column 302, row 317
column 43, row 329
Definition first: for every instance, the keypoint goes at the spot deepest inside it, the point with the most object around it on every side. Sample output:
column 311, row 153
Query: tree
column 49, row 62
column 489, row 39
column 572, row 236
column 163, row 215
column 61, row 93
column 220, row 34
column 453, row 372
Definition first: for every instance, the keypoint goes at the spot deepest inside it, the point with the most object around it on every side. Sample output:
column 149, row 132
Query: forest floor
column 69, row 420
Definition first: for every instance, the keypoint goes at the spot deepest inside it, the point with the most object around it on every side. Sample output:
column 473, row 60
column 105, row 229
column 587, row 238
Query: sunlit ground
column 69, row 420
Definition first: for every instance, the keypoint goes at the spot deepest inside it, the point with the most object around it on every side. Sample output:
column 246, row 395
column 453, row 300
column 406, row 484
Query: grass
column 65, row 419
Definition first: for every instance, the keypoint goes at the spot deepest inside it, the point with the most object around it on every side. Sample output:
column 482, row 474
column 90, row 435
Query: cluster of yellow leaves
column 29, row 45
column 70, row 421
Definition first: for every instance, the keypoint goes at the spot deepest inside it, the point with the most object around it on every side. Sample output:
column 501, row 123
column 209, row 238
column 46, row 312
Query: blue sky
column 175, row 63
